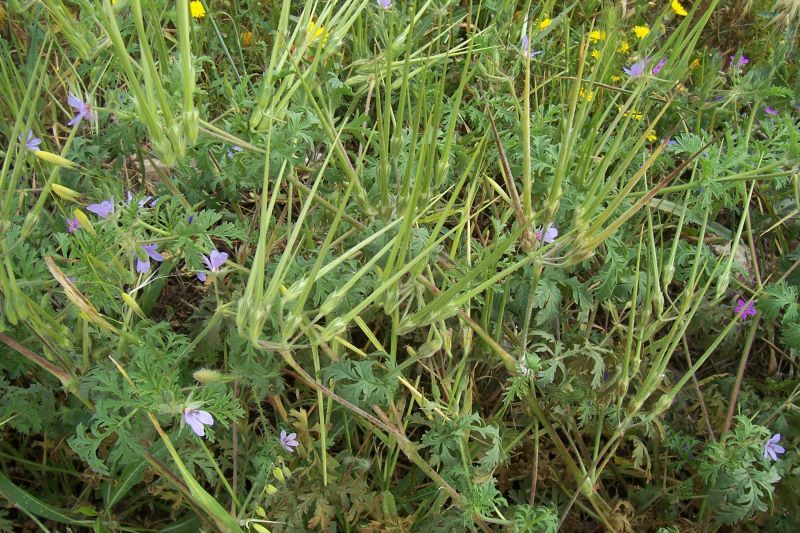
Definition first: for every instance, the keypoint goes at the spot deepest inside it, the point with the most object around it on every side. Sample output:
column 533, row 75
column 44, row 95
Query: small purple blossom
column 385, row 4
column 233, row 150
column 547, row 235
column 745, row 309
column 31, row 143
column 213, row 261
column 197, row 420
column 770, row 110
column 525, row 43
column 190, row 218
column 83, row 109
column 740, row 62
column 103, row 209
column 150, row 250
column 772, row 449
column 289, row 442
column 143, row 265
column 73, row 225
column 659, row 66
column 142, row 202
column 637, row 69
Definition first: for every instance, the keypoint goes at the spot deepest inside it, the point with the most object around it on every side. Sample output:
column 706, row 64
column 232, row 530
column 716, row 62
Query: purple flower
column 385, row 4
column 73, row 225
column 190, row 218
column 197, row 420
column 547, row 235
column 213, row 261
column 289, row 442
column 745, row 309
column 233, row 150
column 770, row 110
column 83, row 109
column 525, row 44
column 103, row 209
column 742, row 61
column 31, row 143
column 772, row 448
column 143, row 265
column 659, row 66
column 142, row 202
column 150, row 250
column 637, row 69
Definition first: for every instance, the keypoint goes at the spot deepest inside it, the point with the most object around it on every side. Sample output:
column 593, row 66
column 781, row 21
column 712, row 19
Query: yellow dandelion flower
column 678, row 8
column 616, row 77
column 317, row 32
column 695, row 64
column 641, row 31
column 624, row 47
column 652, row 136
column 597, row 35
column 596, row 54
column 197, row 9
column 586, row 95
column 545, row 23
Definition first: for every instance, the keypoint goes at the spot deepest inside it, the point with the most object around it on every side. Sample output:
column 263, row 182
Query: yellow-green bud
column 84, row 221
column 133, row 305
column 206, row 375
column 65, row 192
column 54, row 159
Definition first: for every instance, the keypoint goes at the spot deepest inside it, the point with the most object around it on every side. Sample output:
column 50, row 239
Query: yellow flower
column 317, row 32
column 597, row 35
column 695, row 64
column 641, row 31
column 635, row 115
column 586, row 95
column 596, row 54
column 678, row 8
column 624, row 47
column 545, row 23
column 651, row 136
column 197, row 9
column 247, row 38
column 616, row 77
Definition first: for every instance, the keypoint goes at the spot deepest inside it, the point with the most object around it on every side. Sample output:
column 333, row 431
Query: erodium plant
column 398, row 266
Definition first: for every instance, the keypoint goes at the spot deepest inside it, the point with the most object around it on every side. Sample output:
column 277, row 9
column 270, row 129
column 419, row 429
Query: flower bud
column 65, row 192
column 84, row 221
column 54, row 159
column 206, row 375
column 278, row 473
column 272, row 489
column 129, row 300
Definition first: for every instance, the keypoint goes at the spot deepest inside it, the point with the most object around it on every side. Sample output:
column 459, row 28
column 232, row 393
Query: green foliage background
column 382, row 180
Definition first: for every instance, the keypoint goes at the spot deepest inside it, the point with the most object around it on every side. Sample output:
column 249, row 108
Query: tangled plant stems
column 496, row 270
